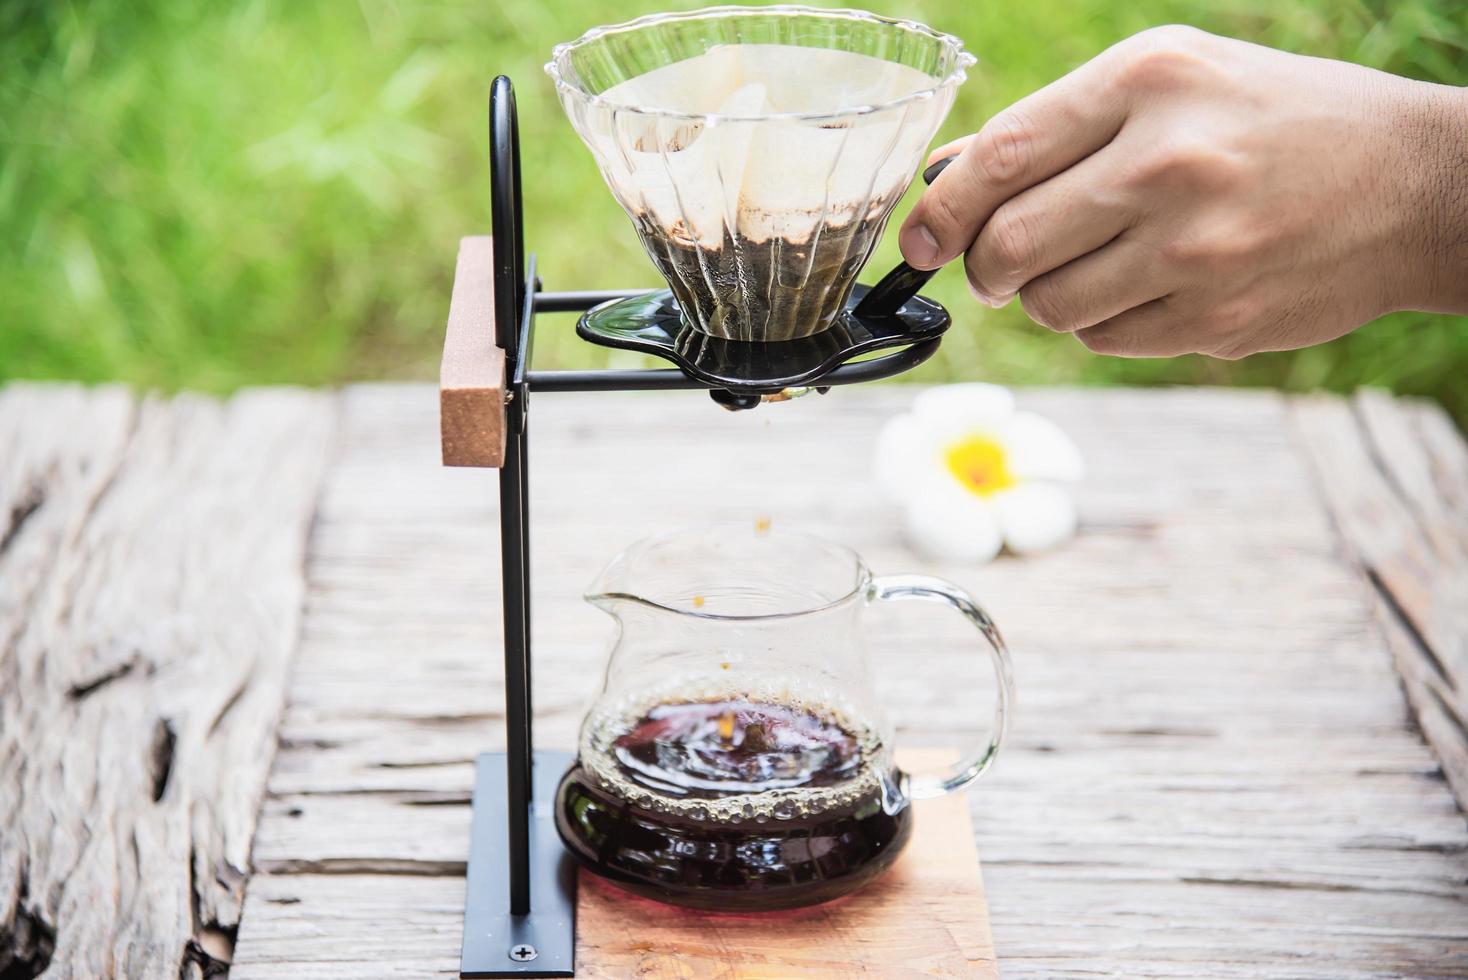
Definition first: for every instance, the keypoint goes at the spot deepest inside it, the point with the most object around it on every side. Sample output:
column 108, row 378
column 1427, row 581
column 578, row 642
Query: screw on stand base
column 541, row 943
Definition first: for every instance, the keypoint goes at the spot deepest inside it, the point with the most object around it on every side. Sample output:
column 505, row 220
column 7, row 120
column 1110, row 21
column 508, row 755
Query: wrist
column 1435, row 138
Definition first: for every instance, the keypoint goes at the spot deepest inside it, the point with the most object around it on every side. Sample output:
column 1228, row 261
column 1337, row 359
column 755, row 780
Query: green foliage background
column 211, row 195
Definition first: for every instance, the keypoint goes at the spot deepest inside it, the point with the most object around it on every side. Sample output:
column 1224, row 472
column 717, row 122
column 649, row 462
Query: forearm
column 1436, row 135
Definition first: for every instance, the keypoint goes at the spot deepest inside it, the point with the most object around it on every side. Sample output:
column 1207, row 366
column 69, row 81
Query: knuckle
column 1170, row 36
column 1010, row 244
column 981, row 276
column 1100, row 340
column 1219, row 330
column 1005, row 149
column 944, row 211
column 1227, row 345
column 1216, row 251
column 944, row 214
column 1163, row 58
column 1048, row 306
column 1232, row 318
column 1185, row 251
column 1193, row 164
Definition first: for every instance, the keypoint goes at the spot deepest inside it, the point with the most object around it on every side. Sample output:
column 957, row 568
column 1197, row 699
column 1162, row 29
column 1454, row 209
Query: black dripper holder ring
column 520, row 911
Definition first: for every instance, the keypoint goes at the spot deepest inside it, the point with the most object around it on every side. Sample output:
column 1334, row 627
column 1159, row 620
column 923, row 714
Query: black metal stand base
column 496, row 943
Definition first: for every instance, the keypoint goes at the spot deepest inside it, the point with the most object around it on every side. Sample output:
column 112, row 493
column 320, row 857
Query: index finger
column 1031, row 141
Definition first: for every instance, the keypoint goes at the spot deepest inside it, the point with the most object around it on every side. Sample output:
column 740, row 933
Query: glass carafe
column 737, row 757
column 759, row 150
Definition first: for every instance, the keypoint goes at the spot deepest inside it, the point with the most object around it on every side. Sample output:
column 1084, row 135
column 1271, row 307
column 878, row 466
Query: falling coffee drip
column 772, row 289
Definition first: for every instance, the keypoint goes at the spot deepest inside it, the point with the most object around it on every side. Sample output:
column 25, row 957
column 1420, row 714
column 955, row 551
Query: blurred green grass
column 207, row 196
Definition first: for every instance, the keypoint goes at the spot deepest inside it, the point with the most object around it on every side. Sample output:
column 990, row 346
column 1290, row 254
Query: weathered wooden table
column 249, row 649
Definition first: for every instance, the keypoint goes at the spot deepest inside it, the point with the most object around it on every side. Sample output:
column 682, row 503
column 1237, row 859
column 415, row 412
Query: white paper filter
column 767, row 178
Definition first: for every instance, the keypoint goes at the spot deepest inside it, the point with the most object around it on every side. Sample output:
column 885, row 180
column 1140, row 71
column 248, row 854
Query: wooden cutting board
column 926, row 917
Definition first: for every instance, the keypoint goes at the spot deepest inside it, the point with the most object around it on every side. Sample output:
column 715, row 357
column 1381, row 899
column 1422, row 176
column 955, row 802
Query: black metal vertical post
column 522, row 392
column 517, row 710
column 510, row 306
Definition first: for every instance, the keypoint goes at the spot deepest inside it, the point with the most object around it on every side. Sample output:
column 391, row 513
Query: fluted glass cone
column 759, row 151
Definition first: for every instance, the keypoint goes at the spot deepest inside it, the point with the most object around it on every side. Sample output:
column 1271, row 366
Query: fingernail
column 919, row 247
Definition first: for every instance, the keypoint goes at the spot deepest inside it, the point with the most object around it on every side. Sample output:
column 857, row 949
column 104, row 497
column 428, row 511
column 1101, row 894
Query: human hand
column 1185, row 193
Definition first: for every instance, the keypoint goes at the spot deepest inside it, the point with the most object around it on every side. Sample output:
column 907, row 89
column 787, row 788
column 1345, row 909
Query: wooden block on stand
column 471, row 377
column 926, row 917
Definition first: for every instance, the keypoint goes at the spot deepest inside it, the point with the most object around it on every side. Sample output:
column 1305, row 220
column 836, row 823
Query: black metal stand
column 520, row 912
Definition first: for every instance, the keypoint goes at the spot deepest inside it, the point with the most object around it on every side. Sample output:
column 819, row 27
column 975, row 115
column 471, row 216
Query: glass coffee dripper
column 759, row 150
column 737, row 757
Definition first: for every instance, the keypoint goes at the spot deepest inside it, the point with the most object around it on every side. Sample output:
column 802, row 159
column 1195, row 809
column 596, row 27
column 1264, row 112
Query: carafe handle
column 891, row 588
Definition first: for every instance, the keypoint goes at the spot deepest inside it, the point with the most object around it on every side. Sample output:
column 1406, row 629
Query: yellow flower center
column 978, row 463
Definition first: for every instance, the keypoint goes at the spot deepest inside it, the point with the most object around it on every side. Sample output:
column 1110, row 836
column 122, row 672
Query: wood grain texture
column 1213, row 772
column 1395, row 475
column 151, row 578
column 471, row 376
column 319, row 926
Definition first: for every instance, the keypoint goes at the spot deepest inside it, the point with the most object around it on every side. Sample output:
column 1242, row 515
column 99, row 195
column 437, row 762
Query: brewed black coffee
column 736, row 805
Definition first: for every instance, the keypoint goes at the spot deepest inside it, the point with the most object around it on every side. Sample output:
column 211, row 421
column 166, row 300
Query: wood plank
column 150, row 588
column 1392, row 474
column 350, row 926
column 1212, row 772
column 471, row 376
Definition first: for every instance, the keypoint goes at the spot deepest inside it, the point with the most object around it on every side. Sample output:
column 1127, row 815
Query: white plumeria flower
column 973, row 475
